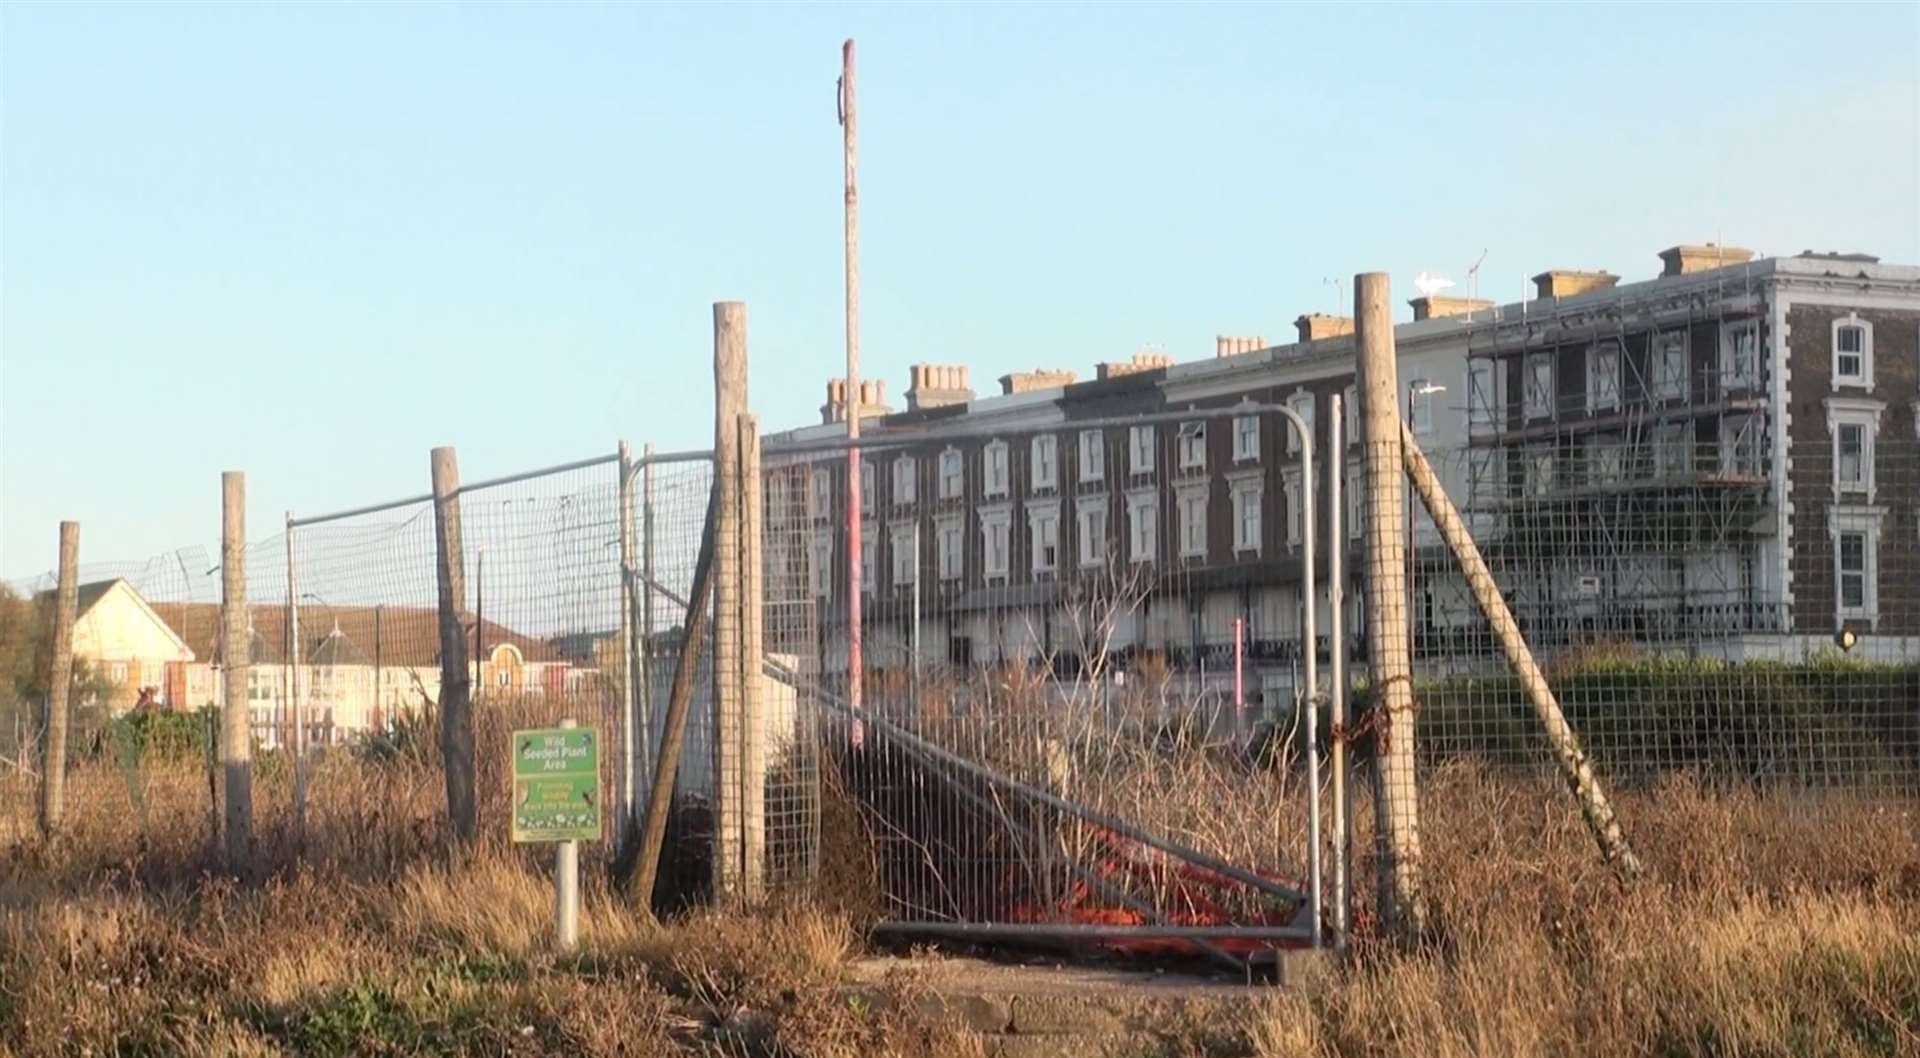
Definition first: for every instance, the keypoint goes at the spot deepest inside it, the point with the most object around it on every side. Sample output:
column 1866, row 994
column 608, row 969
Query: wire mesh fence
column 1082, row 661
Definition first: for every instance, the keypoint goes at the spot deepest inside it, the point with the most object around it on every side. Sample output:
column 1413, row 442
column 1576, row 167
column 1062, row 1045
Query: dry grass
column 1774, row 925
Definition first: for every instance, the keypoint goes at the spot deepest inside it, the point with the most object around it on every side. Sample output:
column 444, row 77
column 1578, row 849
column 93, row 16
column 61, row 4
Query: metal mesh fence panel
column 1082, row 665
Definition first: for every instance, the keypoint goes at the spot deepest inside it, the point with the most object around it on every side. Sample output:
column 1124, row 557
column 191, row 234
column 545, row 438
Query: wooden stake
column 236, row 661
column 1567, row 752
column 53, row 766
column 730, row 404
column 1389, row 652
column 753, row 713
column 456, row 701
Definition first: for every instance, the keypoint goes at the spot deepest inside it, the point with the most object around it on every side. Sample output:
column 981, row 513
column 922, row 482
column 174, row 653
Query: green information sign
column 556, row 784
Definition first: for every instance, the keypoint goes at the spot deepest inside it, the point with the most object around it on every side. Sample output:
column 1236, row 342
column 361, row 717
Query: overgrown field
column 1774, row 924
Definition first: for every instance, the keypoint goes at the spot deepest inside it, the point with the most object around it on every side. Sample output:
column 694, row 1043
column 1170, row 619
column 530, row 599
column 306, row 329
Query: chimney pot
column 1140, row 362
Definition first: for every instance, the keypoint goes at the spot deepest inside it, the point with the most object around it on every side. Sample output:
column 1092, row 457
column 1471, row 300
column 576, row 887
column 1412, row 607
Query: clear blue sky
column 313, row 242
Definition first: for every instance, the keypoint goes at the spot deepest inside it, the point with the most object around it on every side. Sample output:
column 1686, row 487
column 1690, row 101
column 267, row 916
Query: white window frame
column 1740, row 445
column 905, row 481
column 1540, row 469
column 1739, row 354
column 1290, row 489
column 1356, row 498
column 1865, row 521
column 1350, row 411
column 1604, row 462
column 1092, row 540
column 1093, row 456
column 1044, row 451
column 1043, row 530
column 996, row 469
column 1670, row 362
column 1247, row 492
column 953, row 474
column 1191, row 439
column 868, row 482
column 1484, row 480
column 1190, row 507
column 869, row 556
column 905, row 564
column 1865, row 414
column 1143, row 526
column 1539, row 402
column 820, row 568
column 1302, row 403
column 1864, row 378
column 1246, row 438
column 951, row 529
column 819, row 493
column 1140, row 450
column 1603, row 376
column 1481, row 400
column 1672, row 450
column 996, row 527
column 1420, row 406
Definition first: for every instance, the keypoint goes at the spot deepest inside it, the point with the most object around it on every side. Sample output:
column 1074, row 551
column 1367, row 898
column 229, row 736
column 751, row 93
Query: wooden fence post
column 53, row 767
column 753, row 718
column 1389, row 652
column 456, row 702
column 236, row 660
column 730, row 403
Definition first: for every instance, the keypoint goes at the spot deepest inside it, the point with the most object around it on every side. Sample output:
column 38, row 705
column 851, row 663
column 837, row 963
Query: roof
column 408, row 635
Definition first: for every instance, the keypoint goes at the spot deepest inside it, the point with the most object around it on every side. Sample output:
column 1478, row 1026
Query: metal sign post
column 556, row 797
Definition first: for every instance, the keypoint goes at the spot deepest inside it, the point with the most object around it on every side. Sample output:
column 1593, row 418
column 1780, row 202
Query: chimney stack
column 873, row 400
column 1435, row 306
column 1318, row 325
column 937, row 386
column 1038, row 378
column 1685, row 260
column 1228, row 346
column 1140, row 362
column 1565, row 283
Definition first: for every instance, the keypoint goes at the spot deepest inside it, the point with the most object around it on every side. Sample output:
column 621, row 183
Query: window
column 503, row 678
column 1246, row 495
column 1853, row 352
column 1856, row 562
column 995, row 457
column 1603, row 377
column 1539, row 398
column 1603, row 459
column 1484, row 481
column 1093, row 455
column 903, row 481
column 1192, row 500
column 1043, row 522
column 1140, row 448
column 1295, row 521
column 1480, row 400
column 820, row 497
column 1302, row 405
column 1350, row 411
column 1739, row 354
column 1851, row 562
column 117, row 672
column 1670, row 365
column 1672, row 450
column 904, row 547
column 1420, row 405
column 1193, row 445
column 1539, row 470
column 951, row 475
column 866, row 485
column 951, row 540
column 1045, row 458
column 1740, row 446
column 995, row 542
column 820, row 570
column 1092, row 512
column 1246, row 438
column 1143, row 526
column 1356, row 501
column 1853, row 424
column 869, row 557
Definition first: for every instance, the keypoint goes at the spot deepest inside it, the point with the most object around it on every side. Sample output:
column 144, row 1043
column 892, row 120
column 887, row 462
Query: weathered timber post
column 1389, row 653
column 1567, row 752
column 753, row 713
column 53, row 766
column 633, row 741
column 456, row 702
column 236, row 660
column 730, row 403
